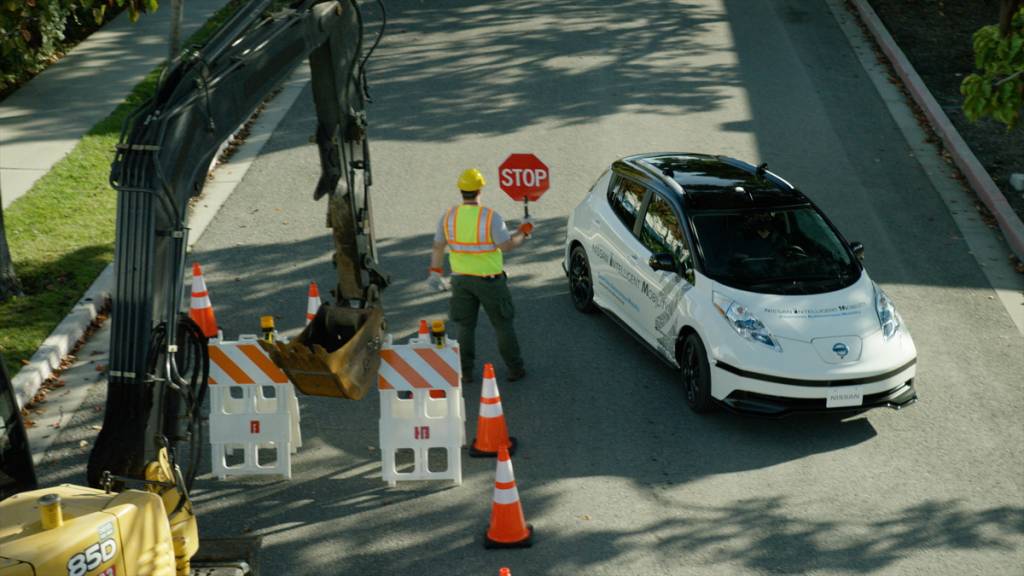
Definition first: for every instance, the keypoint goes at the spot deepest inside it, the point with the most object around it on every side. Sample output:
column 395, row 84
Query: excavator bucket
column 337, row 354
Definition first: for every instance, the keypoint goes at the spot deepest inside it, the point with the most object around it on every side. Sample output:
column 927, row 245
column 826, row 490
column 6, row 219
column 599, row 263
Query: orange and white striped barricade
column 415, row 420
column 254, row 413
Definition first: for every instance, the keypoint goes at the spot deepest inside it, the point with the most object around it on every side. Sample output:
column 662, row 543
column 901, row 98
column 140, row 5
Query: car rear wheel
column 696, row 375
column 581, row 285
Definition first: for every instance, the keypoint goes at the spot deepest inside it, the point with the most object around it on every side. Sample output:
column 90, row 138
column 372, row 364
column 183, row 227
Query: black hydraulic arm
column 161, row 163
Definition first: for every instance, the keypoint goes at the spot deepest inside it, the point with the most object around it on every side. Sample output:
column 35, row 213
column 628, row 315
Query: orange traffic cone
column 491, row 430
column 423, row 336
column 313, row 303
column 201, row 311
column 508, row 526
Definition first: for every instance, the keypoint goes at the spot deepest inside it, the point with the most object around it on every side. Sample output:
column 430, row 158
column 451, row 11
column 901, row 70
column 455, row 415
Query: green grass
column 61, row 232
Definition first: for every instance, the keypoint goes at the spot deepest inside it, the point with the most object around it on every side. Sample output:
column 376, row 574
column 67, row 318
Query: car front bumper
column 766, row 395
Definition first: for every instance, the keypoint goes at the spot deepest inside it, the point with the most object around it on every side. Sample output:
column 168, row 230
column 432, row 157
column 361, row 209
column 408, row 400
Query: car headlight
column 743, row 322
column 888, row 317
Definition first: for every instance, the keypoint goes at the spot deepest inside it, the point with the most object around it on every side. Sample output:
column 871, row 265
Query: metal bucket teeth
column 337, row 355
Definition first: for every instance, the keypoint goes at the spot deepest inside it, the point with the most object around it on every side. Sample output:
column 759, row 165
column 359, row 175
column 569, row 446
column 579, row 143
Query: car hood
column 805, row 317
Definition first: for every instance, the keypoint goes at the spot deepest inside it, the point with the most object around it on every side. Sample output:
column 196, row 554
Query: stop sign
column 523, row 177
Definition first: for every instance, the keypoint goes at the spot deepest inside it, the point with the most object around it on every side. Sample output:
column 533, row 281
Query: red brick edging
column 977, row 176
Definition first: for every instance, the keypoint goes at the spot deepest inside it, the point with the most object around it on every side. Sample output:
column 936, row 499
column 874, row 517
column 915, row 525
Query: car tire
column 696, row 375
column 581, row 283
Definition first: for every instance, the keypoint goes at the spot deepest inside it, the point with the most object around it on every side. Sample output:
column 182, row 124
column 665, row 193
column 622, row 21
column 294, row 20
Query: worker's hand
column 526, row 226
column 436, row 281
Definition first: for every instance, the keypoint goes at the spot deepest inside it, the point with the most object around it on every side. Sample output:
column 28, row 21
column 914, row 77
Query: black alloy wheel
column 581, row 286
column 696, row 373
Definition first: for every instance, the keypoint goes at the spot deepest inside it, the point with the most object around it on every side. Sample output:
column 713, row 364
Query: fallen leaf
column 24, row 362
column 83, row 443
column 96, row 427
column 101, row 367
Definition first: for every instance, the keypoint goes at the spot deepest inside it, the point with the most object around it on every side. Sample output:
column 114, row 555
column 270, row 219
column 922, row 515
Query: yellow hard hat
column 471, row 180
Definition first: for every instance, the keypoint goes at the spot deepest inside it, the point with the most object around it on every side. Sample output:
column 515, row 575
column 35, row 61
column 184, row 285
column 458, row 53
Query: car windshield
column 783, row 251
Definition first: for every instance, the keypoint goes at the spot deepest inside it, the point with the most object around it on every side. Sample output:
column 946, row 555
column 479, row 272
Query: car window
column 662, row 233
column 813, row 232
column 774, row 251
column 625, row 198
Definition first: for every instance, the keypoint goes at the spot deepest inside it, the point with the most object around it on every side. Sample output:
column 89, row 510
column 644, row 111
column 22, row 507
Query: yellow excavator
column 136, row 517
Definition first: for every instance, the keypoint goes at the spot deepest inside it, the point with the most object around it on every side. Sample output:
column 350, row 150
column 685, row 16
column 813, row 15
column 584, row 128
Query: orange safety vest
column 472, row 251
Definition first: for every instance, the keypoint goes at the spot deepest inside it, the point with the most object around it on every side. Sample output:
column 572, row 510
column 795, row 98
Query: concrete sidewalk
column 45, row 118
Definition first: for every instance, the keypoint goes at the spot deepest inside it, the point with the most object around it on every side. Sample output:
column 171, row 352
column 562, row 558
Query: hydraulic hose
column 190, row 381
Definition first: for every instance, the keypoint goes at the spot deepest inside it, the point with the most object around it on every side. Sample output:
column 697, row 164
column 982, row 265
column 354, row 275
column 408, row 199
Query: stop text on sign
column 524, row 177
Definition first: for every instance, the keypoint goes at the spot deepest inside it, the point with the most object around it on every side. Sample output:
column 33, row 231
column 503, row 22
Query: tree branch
column 1006, row 11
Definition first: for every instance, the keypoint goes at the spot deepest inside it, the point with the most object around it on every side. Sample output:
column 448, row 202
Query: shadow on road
column 494, row 68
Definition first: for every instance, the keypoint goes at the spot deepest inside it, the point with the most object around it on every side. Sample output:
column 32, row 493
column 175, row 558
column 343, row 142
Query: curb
column 1009, row 223
column 59, row 343
column 227, row 177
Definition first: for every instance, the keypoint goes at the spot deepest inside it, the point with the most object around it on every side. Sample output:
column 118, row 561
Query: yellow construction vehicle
column 136, row 517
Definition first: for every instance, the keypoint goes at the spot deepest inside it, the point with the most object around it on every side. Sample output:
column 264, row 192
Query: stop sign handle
column 526, row 212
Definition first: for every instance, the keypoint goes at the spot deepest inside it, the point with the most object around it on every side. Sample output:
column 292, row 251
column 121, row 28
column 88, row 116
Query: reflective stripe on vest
column 467, row 231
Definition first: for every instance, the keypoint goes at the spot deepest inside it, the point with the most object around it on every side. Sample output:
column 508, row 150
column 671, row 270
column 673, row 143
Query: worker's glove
column 526, row 226
column 436, row 281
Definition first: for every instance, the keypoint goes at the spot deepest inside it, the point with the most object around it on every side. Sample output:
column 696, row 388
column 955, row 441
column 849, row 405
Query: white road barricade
column 422, row 412
column 254, row 414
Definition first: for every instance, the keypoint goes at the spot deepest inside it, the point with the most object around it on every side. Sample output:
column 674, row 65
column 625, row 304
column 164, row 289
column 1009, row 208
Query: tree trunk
column 9, row 284
column 1006, row 11
column 177, row 8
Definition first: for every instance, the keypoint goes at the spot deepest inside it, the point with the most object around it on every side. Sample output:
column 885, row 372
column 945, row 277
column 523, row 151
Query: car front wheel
column 581, row 285
column 696, row 375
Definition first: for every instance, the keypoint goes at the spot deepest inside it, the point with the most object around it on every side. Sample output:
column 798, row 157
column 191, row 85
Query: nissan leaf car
column 733, row 276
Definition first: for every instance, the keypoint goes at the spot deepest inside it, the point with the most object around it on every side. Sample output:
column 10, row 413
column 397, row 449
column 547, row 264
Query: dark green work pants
column 468, row 294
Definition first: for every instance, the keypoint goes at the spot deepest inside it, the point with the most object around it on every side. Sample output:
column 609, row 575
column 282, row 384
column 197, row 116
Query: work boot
column 516, row 374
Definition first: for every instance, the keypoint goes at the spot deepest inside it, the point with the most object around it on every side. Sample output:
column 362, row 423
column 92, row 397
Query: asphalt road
column 617, row 476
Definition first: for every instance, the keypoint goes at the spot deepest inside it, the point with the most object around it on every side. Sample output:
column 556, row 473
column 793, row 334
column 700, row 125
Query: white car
column 734, row 276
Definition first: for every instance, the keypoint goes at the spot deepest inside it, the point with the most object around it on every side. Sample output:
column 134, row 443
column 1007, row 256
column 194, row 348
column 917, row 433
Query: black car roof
column 713, row 182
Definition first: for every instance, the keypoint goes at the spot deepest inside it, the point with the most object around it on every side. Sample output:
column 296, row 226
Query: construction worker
column 476, row 237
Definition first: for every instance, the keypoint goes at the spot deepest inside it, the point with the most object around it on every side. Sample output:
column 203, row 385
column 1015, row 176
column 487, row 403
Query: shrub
column 998, row 89
column 33, row 32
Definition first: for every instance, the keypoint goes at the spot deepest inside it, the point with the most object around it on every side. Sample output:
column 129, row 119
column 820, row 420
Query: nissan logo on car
column 841, row 350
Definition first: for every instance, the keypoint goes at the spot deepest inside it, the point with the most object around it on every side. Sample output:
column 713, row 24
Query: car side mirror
column 858, row 250
column 663, row 261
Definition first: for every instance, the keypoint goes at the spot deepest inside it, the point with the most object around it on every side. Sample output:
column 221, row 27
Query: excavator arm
column 158, row 367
